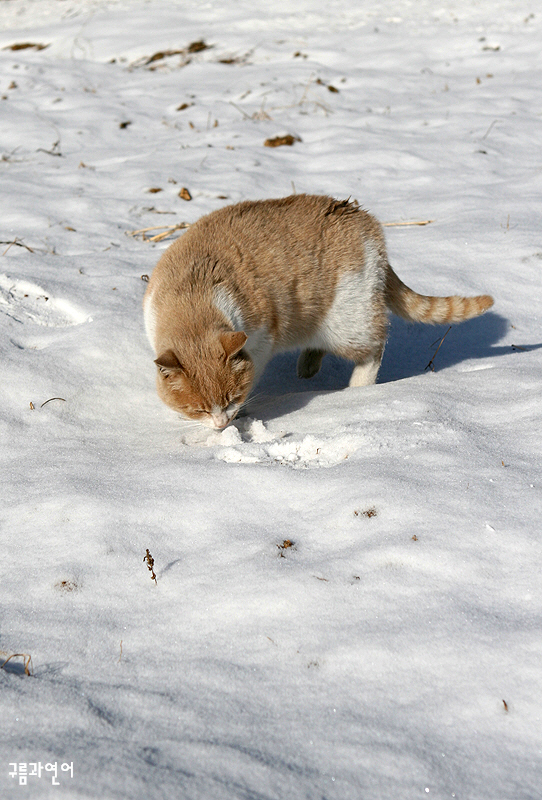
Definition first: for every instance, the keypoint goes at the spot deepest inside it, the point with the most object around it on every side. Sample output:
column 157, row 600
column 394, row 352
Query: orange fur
column 249, row 280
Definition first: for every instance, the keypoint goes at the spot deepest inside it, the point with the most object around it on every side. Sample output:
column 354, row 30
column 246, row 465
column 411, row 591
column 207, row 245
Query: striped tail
column 437, row 310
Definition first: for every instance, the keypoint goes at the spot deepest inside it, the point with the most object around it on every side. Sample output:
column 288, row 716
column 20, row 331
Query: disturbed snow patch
column 252, row 443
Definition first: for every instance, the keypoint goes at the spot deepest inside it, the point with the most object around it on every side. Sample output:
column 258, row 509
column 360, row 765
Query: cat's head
column 210, row 385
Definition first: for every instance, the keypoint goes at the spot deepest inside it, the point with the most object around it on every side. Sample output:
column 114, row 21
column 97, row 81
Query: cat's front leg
column 309, row 363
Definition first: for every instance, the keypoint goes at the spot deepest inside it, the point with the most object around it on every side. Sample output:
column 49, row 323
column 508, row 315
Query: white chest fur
column 149, row 317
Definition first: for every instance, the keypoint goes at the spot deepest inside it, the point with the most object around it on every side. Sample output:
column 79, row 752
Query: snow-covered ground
column 395, row 649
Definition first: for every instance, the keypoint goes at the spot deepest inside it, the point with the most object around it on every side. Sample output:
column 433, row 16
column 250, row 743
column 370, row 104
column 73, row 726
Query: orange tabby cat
column 250, row 280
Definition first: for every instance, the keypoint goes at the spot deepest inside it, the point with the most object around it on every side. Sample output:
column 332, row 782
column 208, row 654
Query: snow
column 371, row 658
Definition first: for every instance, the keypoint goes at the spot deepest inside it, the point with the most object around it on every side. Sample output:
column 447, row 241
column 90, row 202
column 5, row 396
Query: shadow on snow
column 409, row 350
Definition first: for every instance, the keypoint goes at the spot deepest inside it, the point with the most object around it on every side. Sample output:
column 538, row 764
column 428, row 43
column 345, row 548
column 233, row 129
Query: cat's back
column 278, row 261
column 286, row 219
column 267, row 237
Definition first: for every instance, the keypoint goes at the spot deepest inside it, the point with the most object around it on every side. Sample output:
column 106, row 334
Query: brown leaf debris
column 278, row 141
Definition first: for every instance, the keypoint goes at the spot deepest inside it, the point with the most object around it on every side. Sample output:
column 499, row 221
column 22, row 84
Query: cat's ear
column 232, row 342
column 168, row 363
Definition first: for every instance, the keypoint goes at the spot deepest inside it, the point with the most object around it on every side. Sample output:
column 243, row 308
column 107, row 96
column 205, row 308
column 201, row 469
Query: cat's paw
column 309, row 363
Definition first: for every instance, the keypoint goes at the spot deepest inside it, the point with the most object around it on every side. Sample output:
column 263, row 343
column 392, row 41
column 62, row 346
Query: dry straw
column 167, row 230
column 27, row 661
column 150, row 564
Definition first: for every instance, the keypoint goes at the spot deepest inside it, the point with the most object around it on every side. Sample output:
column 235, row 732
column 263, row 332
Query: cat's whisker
column 261, row 400
column 246, row 404
column 252, row 398
column 188, row 424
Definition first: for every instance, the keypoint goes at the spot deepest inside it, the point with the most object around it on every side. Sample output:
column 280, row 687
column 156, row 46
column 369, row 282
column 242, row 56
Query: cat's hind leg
column 366, row 369
column 309, row 363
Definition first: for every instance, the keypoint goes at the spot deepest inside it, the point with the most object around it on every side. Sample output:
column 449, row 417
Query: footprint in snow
column 28, row 302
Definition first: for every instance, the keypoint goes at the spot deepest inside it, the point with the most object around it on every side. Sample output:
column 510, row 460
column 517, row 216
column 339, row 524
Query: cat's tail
column 416, row 307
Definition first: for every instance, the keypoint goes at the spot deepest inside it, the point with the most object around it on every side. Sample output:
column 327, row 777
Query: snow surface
column 371, row 658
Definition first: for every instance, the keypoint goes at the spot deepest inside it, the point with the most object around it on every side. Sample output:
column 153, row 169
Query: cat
column 256, row 278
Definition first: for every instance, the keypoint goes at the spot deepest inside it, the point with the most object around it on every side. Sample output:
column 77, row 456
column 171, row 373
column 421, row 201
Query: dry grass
column 50, row 400
column 368, row 513
column 278, row 141
column 27, row 661
column 404, row 224
column 18, row 243
column 167, row 230
column 150, row 564
column 287, row 544
column 25, row 46
column 431, row 365
column 185, row 53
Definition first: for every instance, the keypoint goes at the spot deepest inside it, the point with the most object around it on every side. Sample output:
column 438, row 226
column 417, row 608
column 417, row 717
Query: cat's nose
column 220, row 420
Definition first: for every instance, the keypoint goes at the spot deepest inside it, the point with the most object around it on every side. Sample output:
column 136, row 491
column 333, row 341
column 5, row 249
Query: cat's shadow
column 409, row 351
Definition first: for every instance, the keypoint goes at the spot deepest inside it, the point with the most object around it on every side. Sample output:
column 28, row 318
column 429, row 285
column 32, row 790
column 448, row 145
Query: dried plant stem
column 26, row 659
column 245, row 115
column 150, row 564
column 166, row 231
column 404, row 224
column 51, row 399
column 17, row 242
column 431, row 365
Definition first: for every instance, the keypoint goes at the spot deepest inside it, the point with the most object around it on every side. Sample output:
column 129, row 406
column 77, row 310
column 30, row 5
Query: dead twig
column 51, row 399
column 279, row 141
column 17, row 242
column 25, row 46
column 150, row 564
column 27, row 660
column 167, row 230
column 286, row 544
column 161, row 55
column 257, row 115
column 245, row 115
column 54, row 151
column 486, row 134
column 370, row 512
column 404, row 224
column 431, row 365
